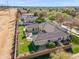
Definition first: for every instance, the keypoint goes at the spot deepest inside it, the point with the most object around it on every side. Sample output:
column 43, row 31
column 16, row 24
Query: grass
column 75, row 48
column 75, row 43
column 22, row 41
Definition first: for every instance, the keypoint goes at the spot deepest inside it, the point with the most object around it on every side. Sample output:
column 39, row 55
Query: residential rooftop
column 52, row 31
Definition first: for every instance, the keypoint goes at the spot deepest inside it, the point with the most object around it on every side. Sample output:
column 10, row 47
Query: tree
column 51, row 44
column 52, row 17
column 50, row 10
column 28, row 10
column 40, row 20
column 70, row 11
column 41, row 14
column 61, row 17
column 40, row 9
column 35, row 14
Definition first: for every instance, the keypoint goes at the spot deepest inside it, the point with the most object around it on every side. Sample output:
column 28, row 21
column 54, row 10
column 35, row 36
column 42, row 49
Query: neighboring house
column 26, row 18
column 74, row 22
column 72, row 25
column 46, row 32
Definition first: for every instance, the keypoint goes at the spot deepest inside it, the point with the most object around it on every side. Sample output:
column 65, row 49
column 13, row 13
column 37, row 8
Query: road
column 7, row 29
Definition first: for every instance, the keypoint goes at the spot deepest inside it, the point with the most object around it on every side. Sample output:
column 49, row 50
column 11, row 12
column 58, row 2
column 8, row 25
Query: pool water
column 34, row 33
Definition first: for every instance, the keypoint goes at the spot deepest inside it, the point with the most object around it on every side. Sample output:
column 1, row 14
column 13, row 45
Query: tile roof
column 44, row 26
column 50, row 35
column 51, row 32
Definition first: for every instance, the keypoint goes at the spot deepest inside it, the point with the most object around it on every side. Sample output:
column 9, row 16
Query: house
column 46, row 32
column 74, row 22
column 72, row 25
column 26, row 18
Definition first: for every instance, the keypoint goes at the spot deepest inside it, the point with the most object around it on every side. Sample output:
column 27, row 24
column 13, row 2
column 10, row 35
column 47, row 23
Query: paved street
column 7, row 28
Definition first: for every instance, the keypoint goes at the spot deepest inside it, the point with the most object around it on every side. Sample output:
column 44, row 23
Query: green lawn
column 75, row 44
column 75, row 48
column 22, row 41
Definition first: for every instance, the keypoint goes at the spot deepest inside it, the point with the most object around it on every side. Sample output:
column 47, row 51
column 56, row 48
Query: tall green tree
column 70, row 11
column 40, row 20
column 52, row 17
column 35, row 14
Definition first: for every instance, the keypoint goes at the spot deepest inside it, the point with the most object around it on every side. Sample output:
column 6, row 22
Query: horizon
column 39, row 6
column 40, row 3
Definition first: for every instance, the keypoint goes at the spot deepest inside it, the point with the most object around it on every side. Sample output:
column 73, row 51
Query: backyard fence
column 43, row 52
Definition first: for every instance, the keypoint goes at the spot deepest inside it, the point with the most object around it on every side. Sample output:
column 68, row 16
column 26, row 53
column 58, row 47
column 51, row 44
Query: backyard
column 24, row 45
column 27, row 46
column 22, row 42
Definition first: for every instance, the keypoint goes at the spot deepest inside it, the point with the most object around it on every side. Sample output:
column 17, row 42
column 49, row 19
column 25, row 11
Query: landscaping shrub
column 51, row 44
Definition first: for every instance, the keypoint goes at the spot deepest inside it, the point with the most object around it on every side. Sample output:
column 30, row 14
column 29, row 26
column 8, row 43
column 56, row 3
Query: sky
column 40, row 2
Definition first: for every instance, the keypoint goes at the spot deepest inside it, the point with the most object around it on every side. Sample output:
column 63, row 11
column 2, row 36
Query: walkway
column 7, row 29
